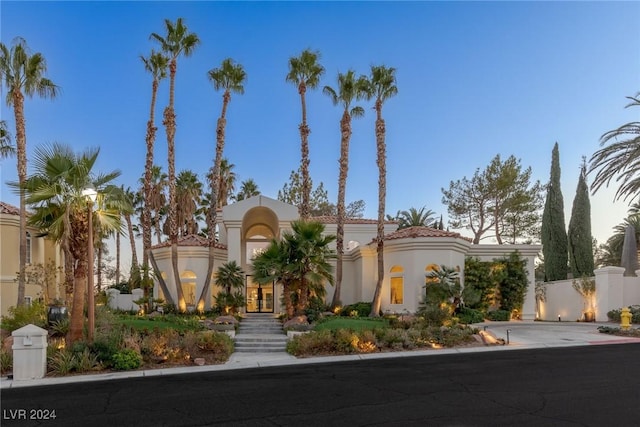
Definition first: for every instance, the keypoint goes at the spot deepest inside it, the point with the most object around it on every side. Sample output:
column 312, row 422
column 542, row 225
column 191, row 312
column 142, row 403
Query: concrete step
column 252, row 331
column 261, row 338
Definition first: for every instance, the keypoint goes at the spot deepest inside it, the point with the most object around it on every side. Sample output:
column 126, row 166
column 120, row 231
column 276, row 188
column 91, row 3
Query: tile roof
column 413, row 232
column 332, row 219
column 6, row 208
column 190, row 240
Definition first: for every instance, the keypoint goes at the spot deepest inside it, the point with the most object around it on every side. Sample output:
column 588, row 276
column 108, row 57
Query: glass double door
column 259, row 297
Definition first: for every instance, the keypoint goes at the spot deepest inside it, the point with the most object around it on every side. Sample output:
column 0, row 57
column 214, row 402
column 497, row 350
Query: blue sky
column 475, row 79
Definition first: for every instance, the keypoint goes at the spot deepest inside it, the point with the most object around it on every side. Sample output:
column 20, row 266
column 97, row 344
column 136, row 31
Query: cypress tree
column 554, row 234
column 579, row 235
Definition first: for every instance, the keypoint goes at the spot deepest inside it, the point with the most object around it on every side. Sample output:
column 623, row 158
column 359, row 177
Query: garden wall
column 613, row 291
column 125, row 302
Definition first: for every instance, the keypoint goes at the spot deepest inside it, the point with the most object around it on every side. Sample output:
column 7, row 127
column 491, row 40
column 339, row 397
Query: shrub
column 218, row 343
column 125, row 360
column 614, row 315
column 469, row 315
column 34, row 313
column 6, row 361
column 434, row 315
column 60, row 328
column 499, row 315
column 61, row 362
column 395, row 339
column 315, row 309
column 162, row 346
column 316, row 342
column 363, row 309
column 86, row 361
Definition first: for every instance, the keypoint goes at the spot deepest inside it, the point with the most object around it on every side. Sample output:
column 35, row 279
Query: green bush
column 451, row 337
column 6, row 360
column 469, row 315
column 216, row 342
column 126, row 360
column 315, row 342
column 614, row 315
column 315, row 309
column 362, row 308
column 434, row 315
column 85, row 361
column 499, row 315
column 35, row 313
column 395, row 339
column 60, row 328
column 61, row 362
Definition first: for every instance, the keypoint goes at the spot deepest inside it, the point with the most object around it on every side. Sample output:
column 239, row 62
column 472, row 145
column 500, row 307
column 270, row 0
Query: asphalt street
column 585, row 386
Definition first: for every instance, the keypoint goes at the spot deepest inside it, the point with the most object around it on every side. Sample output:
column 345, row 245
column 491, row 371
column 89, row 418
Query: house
column 246, row 227
column 40, row 252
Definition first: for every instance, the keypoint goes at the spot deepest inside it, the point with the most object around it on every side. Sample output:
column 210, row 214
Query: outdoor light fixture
column 90, row 193
column 559, row 319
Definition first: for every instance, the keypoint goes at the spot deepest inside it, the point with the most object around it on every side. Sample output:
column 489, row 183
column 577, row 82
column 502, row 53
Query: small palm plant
column 230, row 278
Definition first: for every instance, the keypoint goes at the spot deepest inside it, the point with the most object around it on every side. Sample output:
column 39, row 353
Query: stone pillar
column 609, row 291
column 29, row 353
column 529, row 304
column 234, row 243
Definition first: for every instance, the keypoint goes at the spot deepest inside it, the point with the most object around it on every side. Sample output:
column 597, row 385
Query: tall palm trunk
column 382, row 193
column 305, row 211
column 169, row 122
column 21, row 146
column 132, row 242
column 212, row 215
column 99, row 268
column 345, row 133
column 146, row 212
column 68, row 260
column 117, row 258
column 77, row 247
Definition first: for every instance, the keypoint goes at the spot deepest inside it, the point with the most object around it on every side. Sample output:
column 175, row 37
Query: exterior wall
column 43, row 251
column 125, row 302
column 562, row 301
column 613, row 291
column 190, row 258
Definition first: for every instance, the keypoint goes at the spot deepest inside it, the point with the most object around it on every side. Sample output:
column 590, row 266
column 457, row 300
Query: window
column 397, row 285
column 27, row 301
column 188, row 279
column 28, row 259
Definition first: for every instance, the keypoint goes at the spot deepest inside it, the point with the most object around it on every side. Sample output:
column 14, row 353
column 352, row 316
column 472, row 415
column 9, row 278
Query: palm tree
column 271, row 266
column 227, row 182
column 6, row 148
column 178, row 41
column 230, row 278
column 299, row 261
column 188, row 196
column 305, row 72
column 381, row 86
column 248, row 188
column 156, row 64
column 416, row 218
column 308, row 259
column 23, row 74
column 621, row 158
column 230, row 77
column 59, row 209
column 348, row 90
column 133, row 200
column 158, row 199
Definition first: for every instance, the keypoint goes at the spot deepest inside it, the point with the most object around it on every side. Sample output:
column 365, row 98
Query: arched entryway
column 260, row 226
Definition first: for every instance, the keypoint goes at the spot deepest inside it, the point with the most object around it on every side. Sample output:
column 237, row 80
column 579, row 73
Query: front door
column 259, row 297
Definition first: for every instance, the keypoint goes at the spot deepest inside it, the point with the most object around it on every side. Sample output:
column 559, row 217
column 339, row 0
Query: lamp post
column 91, row 194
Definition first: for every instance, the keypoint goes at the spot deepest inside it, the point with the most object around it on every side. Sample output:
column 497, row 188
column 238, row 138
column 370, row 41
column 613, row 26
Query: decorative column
column 609, row 291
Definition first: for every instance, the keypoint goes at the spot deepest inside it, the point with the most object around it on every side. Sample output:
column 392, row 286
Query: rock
column 208, row 323
column 154, row 314
column 225, row 320
column 199, row 361
column 489, row 338
column 295, row 322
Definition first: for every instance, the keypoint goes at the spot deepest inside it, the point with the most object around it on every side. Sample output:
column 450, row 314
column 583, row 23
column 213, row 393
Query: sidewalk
column 520, row 334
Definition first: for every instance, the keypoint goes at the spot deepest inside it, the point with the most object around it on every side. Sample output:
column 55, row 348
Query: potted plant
column 586, row 286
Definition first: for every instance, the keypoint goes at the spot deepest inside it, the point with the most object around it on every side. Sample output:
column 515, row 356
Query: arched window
column 396, row 285
column 188, row 279
column 28, row 260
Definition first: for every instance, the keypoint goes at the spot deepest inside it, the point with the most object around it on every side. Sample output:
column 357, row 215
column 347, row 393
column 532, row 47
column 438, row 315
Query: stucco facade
column 40, row 251
column 246, row 227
